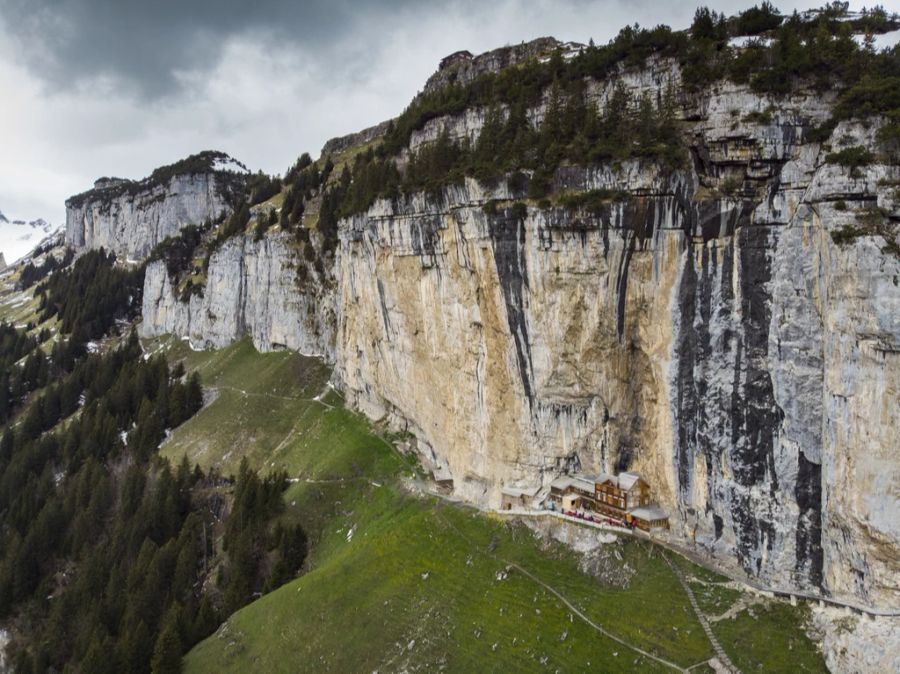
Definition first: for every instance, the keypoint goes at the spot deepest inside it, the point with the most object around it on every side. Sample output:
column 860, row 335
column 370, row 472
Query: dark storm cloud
column 144, row 43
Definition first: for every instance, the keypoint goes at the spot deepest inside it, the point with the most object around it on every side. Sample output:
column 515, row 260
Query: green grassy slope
column 420, row 586
column 276, row 409
column 424, row 585
column 18, row 307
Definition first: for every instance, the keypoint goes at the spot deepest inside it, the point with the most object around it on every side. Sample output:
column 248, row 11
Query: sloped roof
column 585, row 482
column 628, row 480
column 562, row 482
column 624, row 481
column 649, row 513
column 519, row 491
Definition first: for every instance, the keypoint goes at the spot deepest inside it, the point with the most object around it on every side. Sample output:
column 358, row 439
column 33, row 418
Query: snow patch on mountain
column 18, row 237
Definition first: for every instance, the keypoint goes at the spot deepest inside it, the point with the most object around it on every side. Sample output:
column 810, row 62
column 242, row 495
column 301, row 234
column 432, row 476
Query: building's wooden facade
column 625, row 497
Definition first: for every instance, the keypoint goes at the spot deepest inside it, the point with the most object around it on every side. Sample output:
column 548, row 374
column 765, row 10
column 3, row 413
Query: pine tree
column 163, row 408
column 185, row 567
column 194, row 397
column 167, row 651
column 136, row 647
column 206, row 620
column 166, row 505
column 184, row 475
column 549, row 146
column 241, row 571
column 178, row 408
column 97, row 659
column 297, row 211
column 286, row 207
column 646, row 125
column 133, row 490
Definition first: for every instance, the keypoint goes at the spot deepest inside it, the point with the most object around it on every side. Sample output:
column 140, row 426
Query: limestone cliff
column 131, row 217
column 703, row 326
column 251, row 289
column 719, row 342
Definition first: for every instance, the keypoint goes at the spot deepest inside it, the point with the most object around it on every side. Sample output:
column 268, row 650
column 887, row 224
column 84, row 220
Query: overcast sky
column 119, row 87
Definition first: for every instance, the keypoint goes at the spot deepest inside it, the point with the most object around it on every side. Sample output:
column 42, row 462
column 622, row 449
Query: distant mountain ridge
column 18, row 237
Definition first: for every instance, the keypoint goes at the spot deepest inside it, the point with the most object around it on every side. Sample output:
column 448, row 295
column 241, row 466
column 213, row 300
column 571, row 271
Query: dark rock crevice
column 507, row 234
column 810, row 558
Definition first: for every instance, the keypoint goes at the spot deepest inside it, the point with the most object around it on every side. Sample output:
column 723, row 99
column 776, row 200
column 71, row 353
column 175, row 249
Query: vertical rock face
column 715, row 339
column 251, row 289
column 834, row 355
column 723, row 346
column 130, row 218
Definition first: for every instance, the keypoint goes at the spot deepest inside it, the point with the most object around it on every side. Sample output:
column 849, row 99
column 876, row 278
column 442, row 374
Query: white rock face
column 725, row 347
column 251, row 290
column 131, row 220
column 853, row 644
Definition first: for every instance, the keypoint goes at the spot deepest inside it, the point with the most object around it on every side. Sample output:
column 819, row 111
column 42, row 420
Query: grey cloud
column 142, row 44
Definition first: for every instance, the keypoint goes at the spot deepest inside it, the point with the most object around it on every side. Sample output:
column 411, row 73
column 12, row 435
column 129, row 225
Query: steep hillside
column 111, row 559
column 401, row 580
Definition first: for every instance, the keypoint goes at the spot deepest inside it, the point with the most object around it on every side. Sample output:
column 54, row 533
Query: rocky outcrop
column 722, row 344
column 131, row 217
column 342, row 143
column 655, row 78
column 853, row 643
column 462, row 67
column 251, row 289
